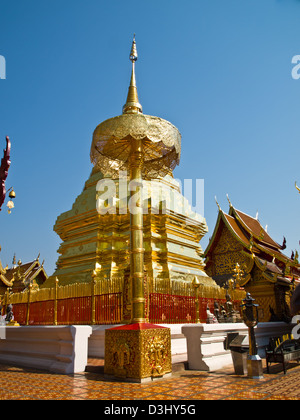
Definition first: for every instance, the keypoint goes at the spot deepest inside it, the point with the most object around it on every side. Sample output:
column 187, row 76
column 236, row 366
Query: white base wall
column 205, row 345
column 60, row 349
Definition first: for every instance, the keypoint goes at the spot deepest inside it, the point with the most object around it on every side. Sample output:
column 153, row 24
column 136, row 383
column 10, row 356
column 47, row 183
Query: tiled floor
column 19, row 384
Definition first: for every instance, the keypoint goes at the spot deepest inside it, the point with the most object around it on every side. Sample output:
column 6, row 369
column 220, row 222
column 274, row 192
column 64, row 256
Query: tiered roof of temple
column 20, row 275
column 266, row 272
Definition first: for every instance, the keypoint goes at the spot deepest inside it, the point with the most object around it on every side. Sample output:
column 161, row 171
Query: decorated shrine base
column 138, row 352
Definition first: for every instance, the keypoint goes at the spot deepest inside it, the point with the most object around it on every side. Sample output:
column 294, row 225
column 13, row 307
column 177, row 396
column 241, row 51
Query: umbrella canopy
column 112, row 140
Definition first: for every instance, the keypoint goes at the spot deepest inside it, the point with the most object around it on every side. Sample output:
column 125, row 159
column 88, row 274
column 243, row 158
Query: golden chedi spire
column 132, row 105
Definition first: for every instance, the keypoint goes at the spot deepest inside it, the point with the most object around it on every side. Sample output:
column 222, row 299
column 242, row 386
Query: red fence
column 41, row 313
column 171, row 309
column 109, row 308
column 163, row 308
column 20, row 310
column 77, row 310
column 74, row 310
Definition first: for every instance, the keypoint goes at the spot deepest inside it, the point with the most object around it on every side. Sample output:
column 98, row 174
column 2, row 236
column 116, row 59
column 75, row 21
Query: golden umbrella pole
column 136, row 232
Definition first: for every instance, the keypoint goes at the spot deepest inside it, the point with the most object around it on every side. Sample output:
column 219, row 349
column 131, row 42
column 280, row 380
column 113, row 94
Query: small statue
column 232, row 315
column 9, row 318
column 211, row 319
column 222, row 315
column 216, row 310
column 229, row 305
column 9, row 314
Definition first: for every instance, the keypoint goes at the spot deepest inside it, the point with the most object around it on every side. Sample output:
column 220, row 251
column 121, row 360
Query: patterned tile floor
column 28, row 384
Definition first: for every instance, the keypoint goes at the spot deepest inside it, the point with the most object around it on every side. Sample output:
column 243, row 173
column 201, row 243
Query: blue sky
column 218, row 70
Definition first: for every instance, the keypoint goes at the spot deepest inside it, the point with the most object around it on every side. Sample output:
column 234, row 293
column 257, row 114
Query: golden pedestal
column 138, row 352
column 13, row 323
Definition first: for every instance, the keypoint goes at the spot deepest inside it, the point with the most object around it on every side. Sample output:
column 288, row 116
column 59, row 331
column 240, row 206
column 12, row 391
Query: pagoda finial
column 132, row 105
column 133, row 53
column 230, row 204
column 218, row 204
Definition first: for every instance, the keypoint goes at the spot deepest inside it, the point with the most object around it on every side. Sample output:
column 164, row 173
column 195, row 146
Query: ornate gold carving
column 226, row 263
column 227, row 254
column 157, row 355
column 138, row 353
column 227, row 243
column 127, row 307
column 121, row 357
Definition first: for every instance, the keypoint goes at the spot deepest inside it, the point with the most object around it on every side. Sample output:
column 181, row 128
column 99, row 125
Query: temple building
column 240, row 244
column 18, row 277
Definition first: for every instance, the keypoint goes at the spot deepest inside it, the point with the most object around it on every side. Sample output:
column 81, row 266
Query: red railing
column 163, row 308
column 41, row 313
column 74, row 311
column 20, row 310
column 78, row 310
column 172, row 309
column 108, row 308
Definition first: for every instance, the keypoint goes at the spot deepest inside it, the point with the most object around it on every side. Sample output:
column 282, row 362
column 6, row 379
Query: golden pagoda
column 132, row 231
column 95, row 233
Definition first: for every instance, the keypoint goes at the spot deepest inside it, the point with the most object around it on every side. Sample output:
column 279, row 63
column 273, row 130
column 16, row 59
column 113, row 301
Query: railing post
column 93, row 298
column 6, row 300
column 28, row 304
column 55, row 301
column 196, row 285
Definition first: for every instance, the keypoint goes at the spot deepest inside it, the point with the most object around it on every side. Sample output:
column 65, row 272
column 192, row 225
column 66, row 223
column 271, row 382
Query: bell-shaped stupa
column 95, row 233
